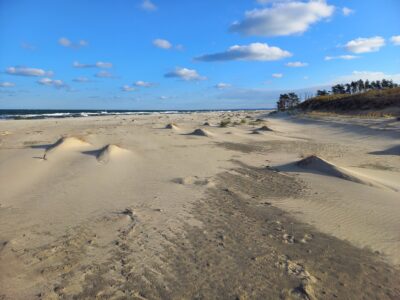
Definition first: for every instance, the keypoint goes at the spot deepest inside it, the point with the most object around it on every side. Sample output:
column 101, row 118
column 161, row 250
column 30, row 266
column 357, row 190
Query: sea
column 31, row 114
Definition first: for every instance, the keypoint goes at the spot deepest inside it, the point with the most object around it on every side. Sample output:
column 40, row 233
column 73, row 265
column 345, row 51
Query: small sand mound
column 171, row 126
column 318, row 164
column 65, row 143
column 202, row 132
column 264, row 128
column 110, row 152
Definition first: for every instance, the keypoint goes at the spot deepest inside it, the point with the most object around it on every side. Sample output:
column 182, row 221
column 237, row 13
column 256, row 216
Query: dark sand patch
column 245, row 249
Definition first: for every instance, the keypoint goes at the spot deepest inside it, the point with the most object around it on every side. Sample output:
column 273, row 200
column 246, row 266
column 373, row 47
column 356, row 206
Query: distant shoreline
column 33, row 114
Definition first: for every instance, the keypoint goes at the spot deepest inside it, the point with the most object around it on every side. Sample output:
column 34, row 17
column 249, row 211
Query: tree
column 322, row 93
column 348, row 88
column 338, row 89
column 287, row 101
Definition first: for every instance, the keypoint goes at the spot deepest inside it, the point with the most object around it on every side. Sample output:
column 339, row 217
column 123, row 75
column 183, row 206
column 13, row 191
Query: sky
column 181, row 54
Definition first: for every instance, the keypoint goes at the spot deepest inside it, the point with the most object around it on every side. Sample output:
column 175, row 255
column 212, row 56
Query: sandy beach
column 178, row 207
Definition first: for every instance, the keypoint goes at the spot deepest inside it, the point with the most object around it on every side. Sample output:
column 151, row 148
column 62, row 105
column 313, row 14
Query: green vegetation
column 225, row 123
column 359, row 86
column 288, row 101
column 354, row 96
column 370, row 100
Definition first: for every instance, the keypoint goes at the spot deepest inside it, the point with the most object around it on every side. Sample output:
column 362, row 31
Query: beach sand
column 177, row 207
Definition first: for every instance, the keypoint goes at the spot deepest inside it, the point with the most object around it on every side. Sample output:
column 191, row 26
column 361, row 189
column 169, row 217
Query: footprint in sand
column 305, row 290
column 194, row 180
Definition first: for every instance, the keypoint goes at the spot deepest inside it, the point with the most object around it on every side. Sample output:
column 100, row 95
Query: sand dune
column 110, row 152
column 264, row 128
column 172, row 126
column 395, row 150
column 315, row 163
column 65, row 143
column 202, row 132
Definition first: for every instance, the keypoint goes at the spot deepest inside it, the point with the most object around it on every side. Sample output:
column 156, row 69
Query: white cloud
column 297, row 64
column 222, row 85
column 127, row 88
column 254, row 51
column 148, row 5
column 28, row 46
column 283, row 18
column 370, row 75
column 23, row 71
column 69, row 44
column 81, row 79
column 163, row 44
column 364, row 45
column 163, row 97
column 185, row 74
column 395, row 40
column 104, row 74
column 141, row 83
column 345, row 57
column 7, row 84
column 102, row 64
column 277, row 75
column 52, row 82
column 347, row 11
column 99, row 64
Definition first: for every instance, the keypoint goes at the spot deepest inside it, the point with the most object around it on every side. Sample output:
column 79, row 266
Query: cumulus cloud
column 99, row 64
column 81, row 79
column 24, row 71
column 277, row 75
column 345, row 57
column 370, row 75
column 364, row 45
column 296, row 64
column 163, row 97
column 52, row 82
column 254, row 51
column 395, row 40
column 104, row 74
column 347, row 11
column 148, row 5
column 163, row 44
column 185, row 74
column 283, row 18
column 127, row 88
column 7, row 84
column 222, row 85
column 141, row 83
column 70, row 44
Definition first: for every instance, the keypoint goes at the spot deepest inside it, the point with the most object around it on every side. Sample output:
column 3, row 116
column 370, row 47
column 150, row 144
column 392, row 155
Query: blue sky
column 180, row 54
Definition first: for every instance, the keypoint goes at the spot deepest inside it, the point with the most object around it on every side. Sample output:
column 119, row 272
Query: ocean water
column 31, row 114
